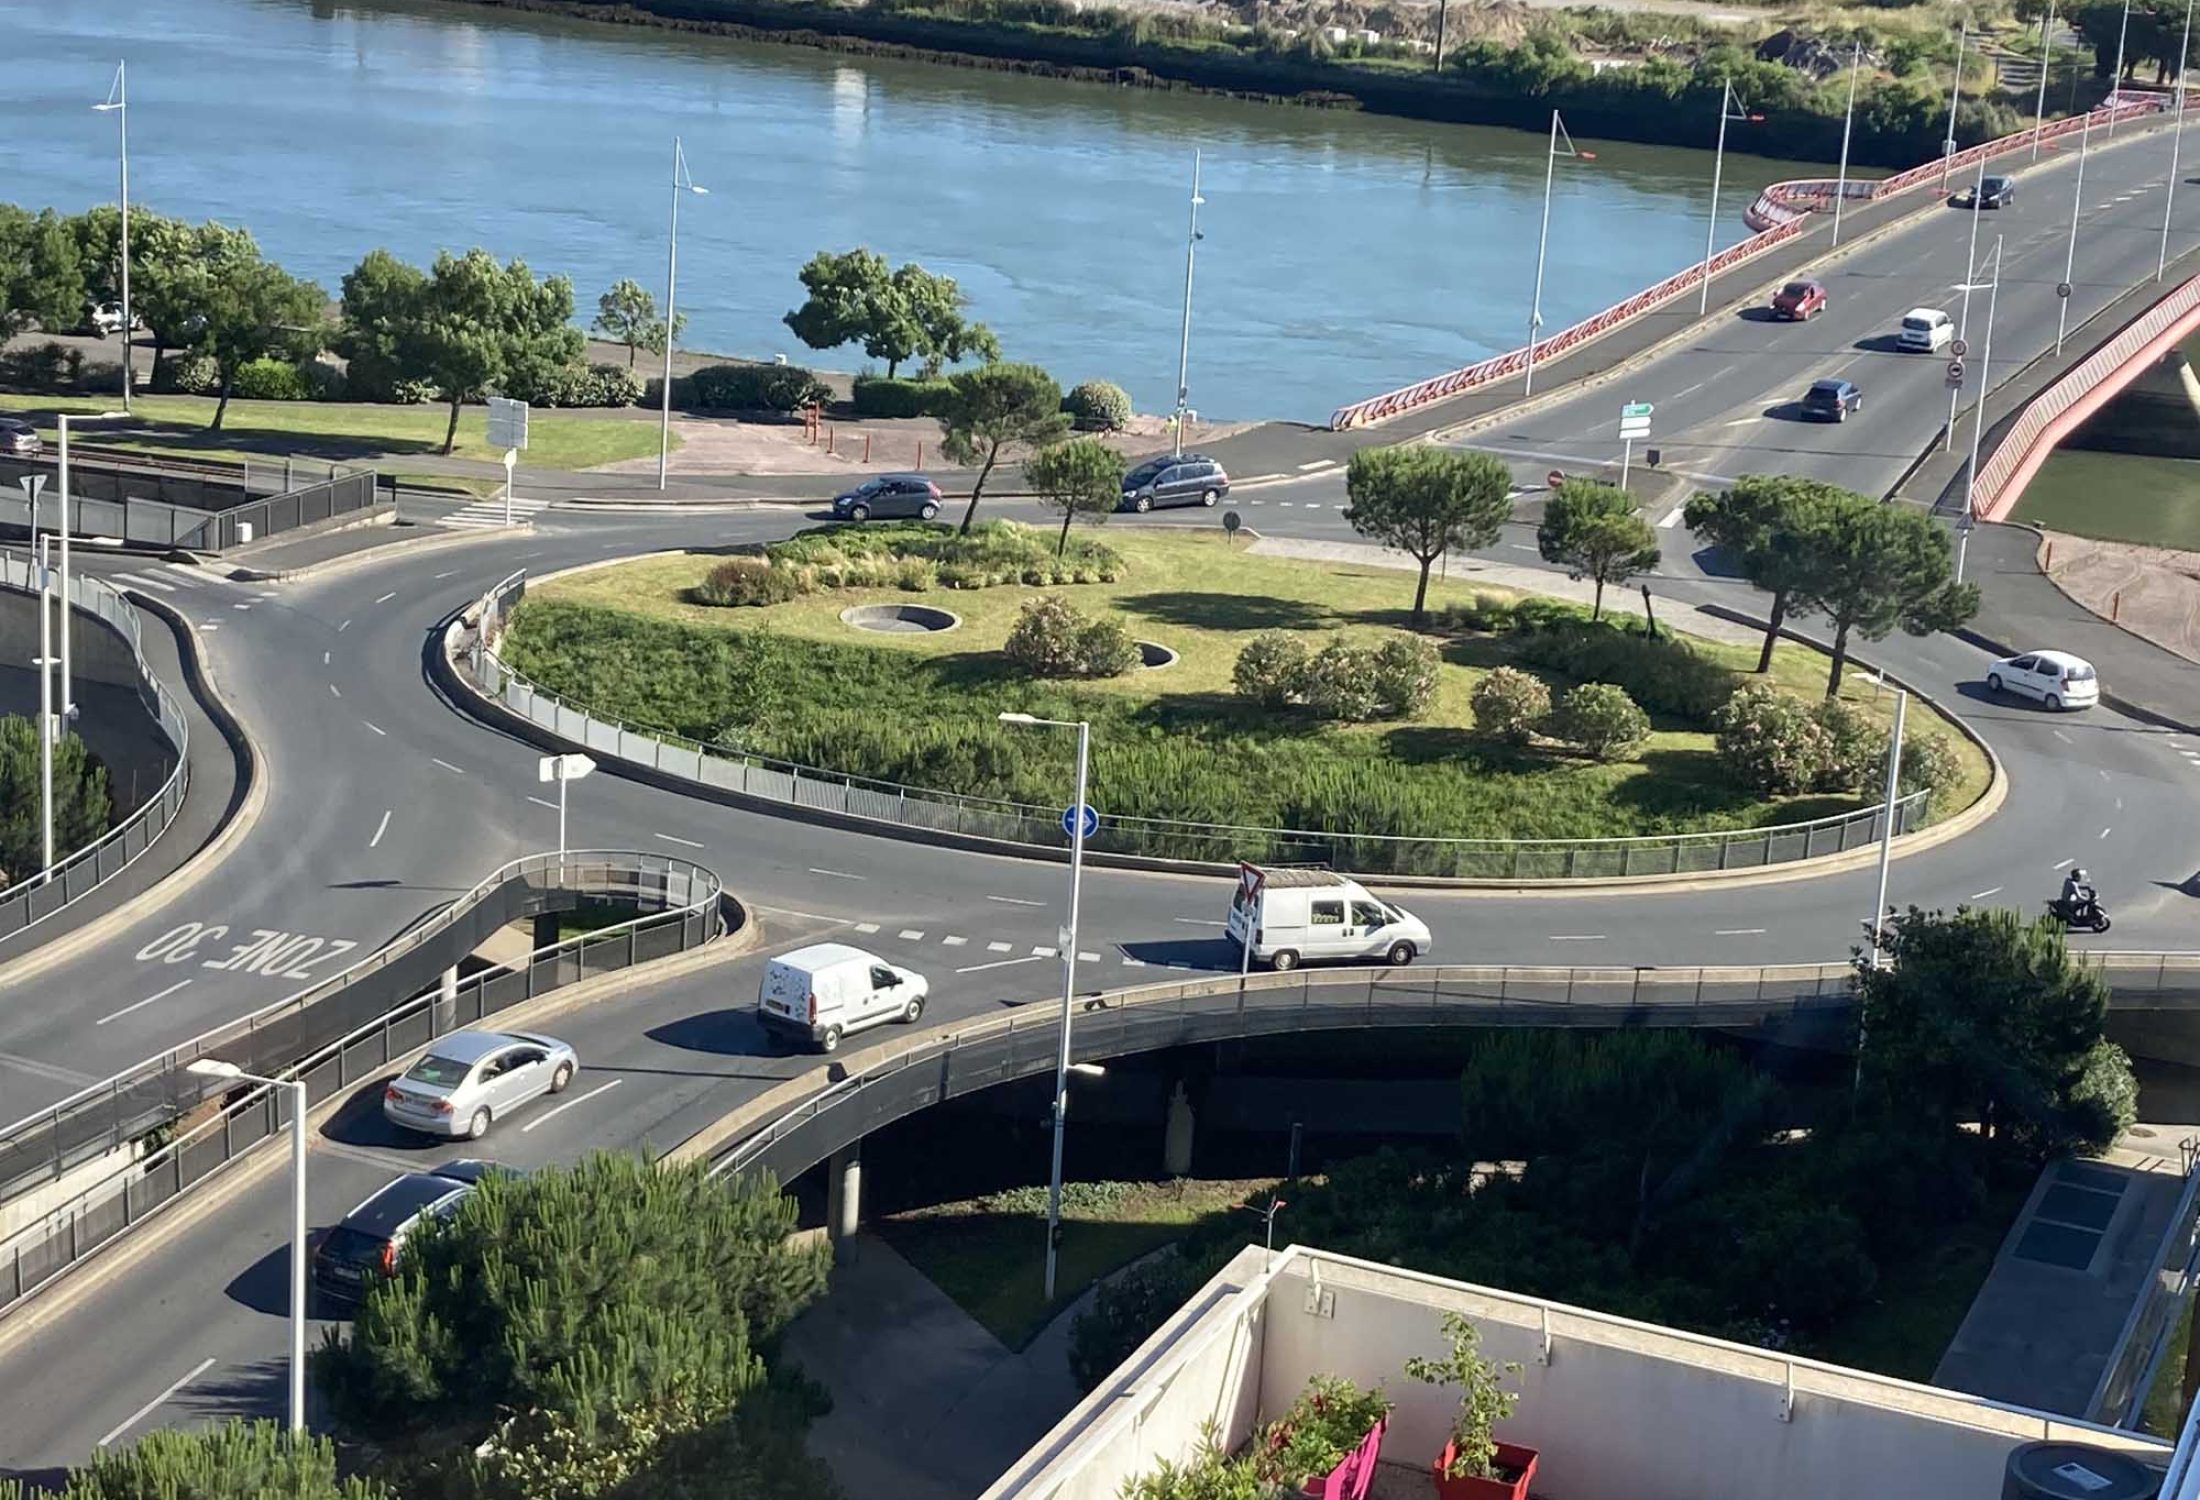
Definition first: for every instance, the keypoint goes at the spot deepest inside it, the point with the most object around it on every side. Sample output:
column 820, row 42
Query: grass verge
column 2117, row 497
column 345, row 430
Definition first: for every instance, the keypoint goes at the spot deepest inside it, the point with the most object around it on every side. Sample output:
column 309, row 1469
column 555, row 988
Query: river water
column 1343, row 254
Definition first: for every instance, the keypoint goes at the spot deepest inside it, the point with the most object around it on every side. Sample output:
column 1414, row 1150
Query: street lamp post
column 1069, row 975
column 1878, row 925
column 1963, row 319
column 2116, row 79
column 1848, row 123
column 2070, row 256
column 118, row 102
column 2039, row 110
column 1718, row 165
column 1183, row 340
column 2176, row 141
column 1978, row 414
column 681, row 183
column 211, row 1067
column 41, row 551
column 1543, row 241
column 68, row 679
column 1955, row 96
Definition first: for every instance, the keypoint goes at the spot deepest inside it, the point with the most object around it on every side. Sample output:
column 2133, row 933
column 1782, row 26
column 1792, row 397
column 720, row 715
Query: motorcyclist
column 2078, row 896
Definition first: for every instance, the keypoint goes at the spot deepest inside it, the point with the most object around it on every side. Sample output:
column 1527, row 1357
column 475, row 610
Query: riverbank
column 1659, row 97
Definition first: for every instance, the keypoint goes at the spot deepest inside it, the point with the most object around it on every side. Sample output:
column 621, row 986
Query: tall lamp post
column 68, row 679
column 2116, row 79
column 1543, row 241
column 1978, row 410
column 1718, row 165
column 1848, row 124
column 1877, row 926
column 2070, row 256
column 1955, row 96
column 214, row 1067
column 118, row 102
column 1062, row 1069
column 681, row 183
column 1183, row 355
column 2039, row 110
column 1963, row 319
column 49, row 729
column 2176, row 140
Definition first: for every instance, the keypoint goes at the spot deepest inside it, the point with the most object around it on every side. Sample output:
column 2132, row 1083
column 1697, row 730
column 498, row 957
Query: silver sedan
column 470, row 1078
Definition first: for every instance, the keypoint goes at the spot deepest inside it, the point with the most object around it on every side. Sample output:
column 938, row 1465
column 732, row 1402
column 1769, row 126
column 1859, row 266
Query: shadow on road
column 729, row 1033
column 1209, row 955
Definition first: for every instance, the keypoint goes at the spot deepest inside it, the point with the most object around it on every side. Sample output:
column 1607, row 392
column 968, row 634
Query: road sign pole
column 1626, row 459
column 1069, row 991
column 511, row 457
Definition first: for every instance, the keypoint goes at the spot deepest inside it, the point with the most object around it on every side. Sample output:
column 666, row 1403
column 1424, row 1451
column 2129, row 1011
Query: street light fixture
column 118, row 103
column 1543, row 241
column 1184, row 337
column 1062, row 1066
column 681, row 183
column 1963, row 320
column 214, row 1067
column 1718, row 166
column 2116, row 79
column 2176, row 142
column 1978, row 412
column 2070, row 256
column 68, row 677
column 1848, row 123
column 2039, row 110
column 1955, row 95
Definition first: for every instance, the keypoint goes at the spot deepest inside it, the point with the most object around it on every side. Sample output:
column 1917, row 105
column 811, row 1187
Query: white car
column 2056, row 678
column 470, row 1078
column 1926, row 330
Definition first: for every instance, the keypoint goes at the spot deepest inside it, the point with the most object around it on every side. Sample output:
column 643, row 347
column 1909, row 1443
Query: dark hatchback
column 366, row 1243
column 1832, row 400
column 1994, row 192
column 889, row 497
column 1184, row 479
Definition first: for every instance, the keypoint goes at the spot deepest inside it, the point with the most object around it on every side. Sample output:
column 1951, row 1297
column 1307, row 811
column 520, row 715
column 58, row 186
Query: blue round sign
column 1070, row 819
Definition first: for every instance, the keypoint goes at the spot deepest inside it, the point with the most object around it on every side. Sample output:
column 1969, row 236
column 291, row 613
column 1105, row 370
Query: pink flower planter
column 1351, row 1478
column 1512, row 1460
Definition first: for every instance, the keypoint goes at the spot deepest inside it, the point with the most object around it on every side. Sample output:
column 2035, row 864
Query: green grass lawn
column 351, row 431
column 2118, row 497
column 987, row 1253
column 1171, row 743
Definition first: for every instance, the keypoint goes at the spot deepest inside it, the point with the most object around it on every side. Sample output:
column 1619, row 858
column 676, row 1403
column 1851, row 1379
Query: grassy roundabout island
column 1341, row 717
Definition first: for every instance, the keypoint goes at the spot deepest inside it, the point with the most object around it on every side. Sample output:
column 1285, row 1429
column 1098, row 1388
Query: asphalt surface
column 384, row 801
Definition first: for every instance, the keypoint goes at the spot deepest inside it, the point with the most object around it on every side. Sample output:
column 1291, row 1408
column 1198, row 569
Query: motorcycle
column 2090, row 916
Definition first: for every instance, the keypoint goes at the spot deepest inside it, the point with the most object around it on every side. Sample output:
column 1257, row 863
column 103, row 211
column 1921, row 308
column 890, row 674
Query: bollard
column 828, row 440
column 2115, row 606
column 867, row 447
column 920, row 453
column 2049, row 565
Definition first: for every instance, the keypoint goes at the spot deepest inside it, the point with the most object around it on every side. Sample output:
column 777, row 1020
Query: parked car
column 473, row 1170
column 1799, row 301
column 1926, row 330
column 1295, row 915
column 2055, row 678
column 1994, row 192
column 1832, row 400
column 367, row 1242
column 825, row 991
column 1185, row 479
column 18, row 439
column 889, row 497
column 468, row 1079
column 105, row 319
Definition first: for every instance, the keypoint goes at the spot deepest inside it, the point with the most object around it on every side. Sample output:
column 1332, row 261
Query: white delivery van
column 1297, row 915
column 828, row 990
column 1926, row 330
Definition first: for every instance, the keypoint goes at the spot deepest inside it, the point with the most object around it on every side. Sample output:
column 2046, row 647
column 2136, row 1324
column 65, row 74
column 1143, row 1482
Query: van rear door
column 786, row 992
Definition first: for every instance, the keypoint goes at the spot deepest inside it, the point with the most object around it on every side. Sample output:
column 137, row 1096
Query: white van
column 1306, row 914
column 828, row 990
column 1926, row 330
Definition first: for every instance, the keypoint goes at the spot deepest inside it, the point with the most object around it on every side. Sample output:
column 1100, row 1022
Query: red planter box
column 1511, row 1459
column 1351, row 1478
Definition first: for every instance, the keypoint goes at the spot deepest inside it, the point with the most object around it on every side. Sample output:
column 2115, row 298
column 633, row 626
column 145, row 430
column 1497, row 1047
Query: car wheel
column 1210, row 498
column 859, row 512
column 1399, row 956
column 478, row 1126
column 911, row 1011
column 830, row 1040
column 1283, row 960
column 2054, row 702
column 1142, row 504
column 561, row 1078
column 929, row 511
column 1993, row 682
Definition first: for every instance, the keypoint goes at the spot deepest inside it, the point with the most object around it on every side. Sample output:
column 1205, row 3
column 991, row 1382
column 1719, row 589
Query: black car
column 1182, row 479
column 1994, row 192
column 1832, row 400
column 19, row 439
column 889, row 496
column 367, row 1241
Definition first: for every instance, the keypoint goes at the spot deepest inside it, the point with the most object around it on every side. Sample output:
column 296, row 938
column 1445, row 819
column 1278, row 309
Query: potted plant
column 1474, row 1464
column 1325, row 1445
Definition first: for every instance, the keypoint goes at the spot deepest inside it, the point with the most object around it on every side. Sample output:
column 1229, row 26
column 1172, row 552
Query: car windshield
column 1918, row 324
column 1146, row 470
column 351, row 1246
column 1826, row 388
column 439, row 1071
column 2078, row 672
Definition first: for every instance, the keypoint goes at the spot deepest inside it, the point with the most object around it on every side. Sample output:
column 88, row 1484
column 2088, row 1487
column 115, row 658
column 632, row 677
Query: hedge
column 881, row 396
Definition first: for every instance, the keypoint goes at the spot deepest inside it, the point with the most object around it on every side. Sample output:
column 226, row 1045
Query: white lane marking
column 380, row 829
column 1283, row 502
column 548, row 1115
column 148, row 1000
column 1195, row 922
column 1088, row 958
column 837, row 874
column 683, row 843
column 1672, row 518
column 2065, row 864
column 378, row 729
column 446, row 765
column 2106, row 832
column 183, row 574
column 866, row 927
column 386, row 598
column 240, row 606
column 334, row 691
column 1520, row 547
column 999, row 963
column 2058, row 734
column 210, row 625
column 1014, row 901
column 1992, row 890
column 953, row 942
column 441, row 576
column 150, row 583
column 1133, row 963
column 324, row 658
column 1736, row 932
column 2119, row 804
column 544, row 802
column 911, row 934
column 263, row 596
column 1319, row 463
column 343, row 627
column 998, row 947
column 1043, row 952
column 1310, row 505
column 1577, row 937
column 155, row 1404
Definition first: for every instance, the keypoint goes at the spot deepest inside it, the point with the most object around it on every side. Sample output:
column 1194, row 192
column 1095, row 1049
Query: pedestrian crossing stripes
column 484, row 515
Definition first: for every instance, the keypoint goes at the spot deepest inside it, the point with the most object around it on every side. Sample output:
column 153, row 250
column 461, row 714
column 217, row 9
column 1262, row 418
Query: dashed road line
column 998, row 947
column 386, row 598
column 866, row 926
column 380, row 829
column 2106, row 832
column 1000, row 963
column 1196, row 921
column 911, row 934
column 446, row 765
column 683, row 843
column 1992, row 890
column 140, row 1005
column 1577, row 937
column 240, row 606
column 1088, row 958
column 544, row 802
column 334, row 691
column 149, row 583
column 548, row 1115
column 837, row 874
column 1014, row 901
column 343, row 627
column 953, row 942
column 378, row 729
column 1732, row 932
column 441, row 576
column 2065, row 864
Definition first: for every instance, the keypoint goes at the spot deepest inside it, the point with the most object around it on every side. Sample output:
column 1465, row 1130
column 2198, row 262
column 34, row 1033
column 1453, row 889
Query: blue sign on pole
column 1070, row 817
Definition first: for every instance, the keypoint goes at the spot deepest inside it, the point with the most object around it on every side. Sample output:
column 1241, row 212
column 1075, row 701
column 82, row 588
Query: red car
column 1799, row 300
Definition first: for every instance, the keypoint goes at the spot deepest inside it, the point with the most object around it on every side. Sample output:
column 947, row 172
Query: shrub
column 1489, row 613
column 746, row 581
column 1929, row 764
column 324, row 381
column 1105, row 649
column 1770, row 741
column 1856, row 748
column 1270, row 667
column 1600, row 721
column 916, row 575
column 1328, row 1420
column 269, row 380
column 1339, row 683
column 1052, row 639
column 186, row 373
column 582, row 385
column 1664, row 674
column 1510, row 704
column 731, row 387
column 1098, row 406
column 884, row 396
column 1405, row 675
column 41, row 367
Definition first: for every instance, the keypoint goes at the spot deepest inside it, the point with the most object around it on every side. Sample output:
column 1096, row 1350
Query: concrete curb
column 366, row 557
column 201, row 684
column 41, row 1307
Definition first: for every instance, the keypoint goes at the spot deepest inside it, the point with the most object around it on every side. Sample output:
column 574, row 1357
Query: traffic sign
column 1637, row 409
column 1960, row 348
column 1554, row 479
column 1231, row 521
column 507, row 423
column 2062, row 289
column 563, row 767
column 1250, row 879
column 1634, row 427
column 1071, row 816
column 1955, row 373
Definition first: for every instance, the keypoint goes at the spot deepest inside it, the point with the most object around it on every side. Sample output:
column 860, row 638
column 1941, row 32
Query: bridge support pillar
column 1176, row 1133
column 446, row 1001
column 844, row 1192
column 546, row 931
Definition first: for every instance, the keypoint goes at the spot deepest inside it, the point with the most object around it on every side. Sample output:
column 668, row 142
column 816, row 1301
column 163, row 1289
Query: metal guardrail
column 247, row 1114
column 840, row 793
column 855, row 1097
column 2119, row 1398
column 145, row 521
column 108, row 1115
column 76, row 875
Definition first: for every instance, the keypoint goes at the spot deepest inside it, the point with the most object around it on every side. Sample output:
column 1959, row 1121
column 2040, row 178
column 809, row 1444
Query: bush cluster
column 580, row 385
column 894, row 396
column 745, row 581
column 1052, row 638
column 1599, row 720
column 270, row 380
column 1098, row 406
column 993, row 554
column 186, row 373
column 1510, row 705
column 1774, row 743
column 1353, row 684
column 56, row 367
column 744, row 387
column 1664, row 674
